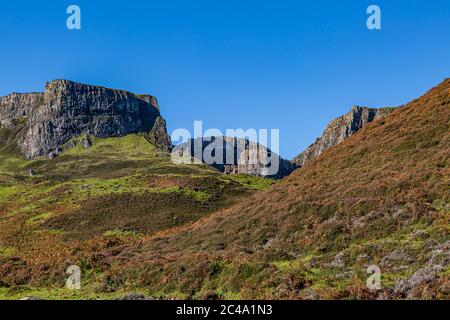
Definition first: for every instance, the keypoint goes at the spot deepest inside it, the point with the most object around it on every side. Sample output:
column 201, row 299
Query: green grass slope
column 119, row 190
column 381, row 198
column 135, row 222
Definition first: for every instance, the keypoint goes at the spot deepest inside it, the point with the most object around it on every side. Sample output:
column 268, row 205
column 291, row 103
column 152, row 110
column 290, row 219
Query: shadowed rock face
column 339, row 130
column 236, row 156
column 68, row 109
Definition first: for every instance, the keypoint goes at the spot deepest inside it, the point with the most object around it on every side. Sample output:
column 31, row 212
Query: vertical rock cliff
column 235, row 156
column 43, row 122
column 339, row 130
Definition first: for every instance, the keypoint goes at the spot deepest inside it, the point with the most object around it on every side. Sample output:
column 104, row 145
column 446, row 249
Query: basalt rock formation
column 39, row 124
column 339, row 130
column 236, row 156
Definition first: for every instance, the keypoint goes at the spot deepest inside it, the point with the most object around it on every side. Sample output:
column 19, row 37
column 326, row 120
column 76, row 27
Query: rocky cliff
column 39, row 124
column 235, row 156
column 339, row 130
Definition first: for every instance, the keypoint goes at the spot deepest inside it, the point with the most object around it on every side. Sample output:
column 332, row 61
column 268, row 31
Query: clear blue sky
column 292, row 65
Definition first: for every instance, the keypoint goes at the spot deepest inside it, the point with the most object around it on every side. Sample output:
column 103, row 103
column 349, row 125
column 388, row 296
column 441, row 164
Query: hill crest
column 39, row 124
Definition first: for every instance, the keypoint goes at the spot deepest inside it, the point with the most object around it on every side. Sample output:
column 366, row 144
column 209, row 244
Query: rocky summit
column 339, row 130
column 236, row 156
column 40, row 124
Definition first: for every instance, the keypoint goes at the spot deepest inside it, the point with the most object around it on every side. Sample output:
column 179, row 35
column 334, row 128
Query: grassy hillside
column 134, row 222
column 120, row 188
column 381, row 198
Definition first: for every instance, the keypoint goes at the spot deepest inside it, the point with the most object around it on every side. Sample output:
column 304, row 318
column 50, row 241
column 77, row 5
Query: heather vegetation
column 135, row 222
column 120, row 189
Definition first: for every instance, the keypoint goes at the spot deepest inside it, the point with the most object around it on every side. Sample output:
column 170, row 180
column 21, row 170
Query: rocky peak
column 68, row 109
column 339, row 130
column 236, row 156
column 17, row 106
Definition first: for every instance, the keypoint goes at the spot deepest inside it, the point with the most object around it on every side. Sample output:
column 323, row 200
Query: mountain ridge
column 67, row 109
column 136, row 222
column 380, row 198
column 237, row 156
column 339, row 130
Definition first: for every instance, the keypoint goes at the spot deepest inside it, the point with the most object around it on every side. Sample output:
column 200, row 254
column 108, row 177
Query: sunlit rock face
column 236, row 156
column 68, row 109
column 339, row 130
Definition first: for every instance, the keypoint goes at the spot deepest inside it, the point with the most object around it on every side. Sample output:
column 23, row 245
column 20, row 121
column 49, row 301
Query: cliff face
column 235, row 156
column 339, row 130
column 67, row 109
column 17, row 106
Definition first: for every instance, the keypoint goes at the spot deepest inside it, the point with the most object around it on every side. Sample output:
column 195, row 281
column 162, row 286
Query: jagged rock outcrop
column 158, row 135
column 234, row 156
column 44, row 122
column 340, row 129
